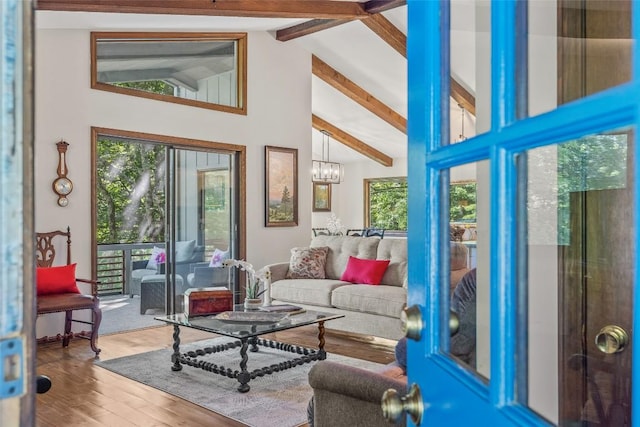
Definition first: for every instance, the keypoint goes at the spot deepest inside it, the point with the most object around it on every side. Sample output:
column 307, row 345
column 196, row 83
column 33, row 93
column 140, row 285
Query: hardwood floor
column 86, row 395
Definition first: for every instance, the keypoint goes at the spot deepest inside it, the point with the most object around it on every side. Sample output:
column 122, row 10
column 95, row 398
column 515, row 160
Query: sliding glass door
column 166, row 216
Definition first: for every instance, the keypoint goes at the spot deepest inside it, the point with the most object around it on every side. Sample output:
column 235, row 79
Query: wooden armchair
column 52, row 301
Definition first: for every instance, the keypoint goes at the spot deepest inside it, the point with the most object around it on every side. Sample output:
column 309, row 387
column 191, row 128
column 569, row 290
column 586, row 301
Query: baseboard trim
column 368, row 339
column 47, row 339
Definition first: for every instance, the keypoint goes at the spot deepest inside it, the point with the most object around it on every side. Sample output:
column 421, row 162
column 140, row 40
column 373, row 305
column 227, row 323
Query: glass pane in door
column 470, row 69
column 580, row 279
column 575, row 49
column 467, row 292
column 205, row 219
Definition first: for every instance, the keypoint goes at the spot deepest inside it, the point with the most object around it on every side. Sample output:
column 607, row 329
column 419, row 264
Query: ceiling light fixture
column 325, row 171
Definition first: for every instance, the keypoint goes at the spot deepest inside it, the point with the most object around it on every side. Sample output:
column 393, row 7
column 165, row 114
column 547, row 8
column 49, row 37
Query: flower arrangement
column 254, row 278
column 334, row 225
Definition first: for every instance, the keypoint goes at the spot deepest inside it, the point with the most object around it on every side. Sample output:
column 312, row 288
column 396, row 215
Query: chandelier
column 325, row 171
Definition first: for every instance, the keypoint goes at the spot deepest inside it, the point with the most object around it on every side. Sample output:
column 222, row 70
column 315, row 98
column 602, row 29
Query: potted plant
column 254, row 281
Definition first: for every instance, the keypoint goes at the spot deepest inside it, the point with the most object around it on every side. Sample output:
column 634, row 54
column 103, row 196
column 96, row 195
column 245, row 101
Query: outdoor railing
column 115, row 263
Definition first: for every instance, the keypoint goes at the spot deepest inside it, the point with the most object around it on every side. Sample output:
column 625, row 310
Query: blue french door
column 553, row 92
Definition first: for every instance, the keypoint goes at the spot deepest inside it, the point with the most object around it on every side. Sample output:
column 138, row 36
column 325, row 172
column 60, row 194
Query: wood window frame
column 241, row 88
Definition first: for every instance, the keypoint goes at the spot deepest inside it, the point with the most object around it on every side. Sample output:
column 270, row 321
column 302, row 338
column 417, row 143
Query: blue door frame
column 451, row 395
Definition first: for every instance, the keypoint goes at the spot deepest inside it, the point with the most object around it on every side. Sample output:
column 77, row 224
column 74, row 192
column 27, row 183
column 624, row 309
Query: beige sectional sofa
column 368, row 309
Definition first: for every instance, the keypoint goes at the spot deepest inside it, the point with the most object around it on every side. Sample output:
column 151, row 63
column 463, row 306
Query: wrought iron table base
column 307, row 355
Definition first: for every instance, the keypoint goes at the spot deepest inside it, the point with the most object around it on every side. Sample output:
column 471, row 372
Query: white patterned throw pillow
column 217, row 257
column 158, row 256
column 307, row 263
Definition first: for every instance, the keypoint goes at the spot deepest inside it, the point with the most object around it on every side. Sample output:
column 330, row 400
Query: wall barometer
column 62, row 185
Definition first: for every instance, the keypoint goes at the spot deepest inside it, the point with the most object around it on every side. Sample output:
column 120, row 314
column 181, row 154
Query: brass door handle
column 411, row 319
column 612, row 339
column 394, row 406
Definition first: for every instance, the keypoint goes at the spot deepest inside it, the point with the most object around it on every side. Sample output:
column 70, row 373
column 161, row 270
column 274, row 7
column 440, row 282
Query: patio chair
column 57, row 289
column 187, row 253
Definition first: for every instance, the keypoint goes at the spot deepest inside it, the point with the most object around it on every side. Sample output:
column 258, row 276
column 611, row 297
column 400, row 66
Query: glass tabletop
column 242, row 324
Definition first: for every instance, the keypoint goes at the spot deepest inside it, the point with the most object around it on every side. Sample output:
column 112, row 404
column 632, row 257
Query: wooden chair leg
column 97, row 318
column 67, row 328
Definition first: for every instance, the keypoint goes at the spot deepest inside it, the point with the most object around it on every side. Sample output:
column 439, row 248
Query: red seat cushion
column 56, row 280
column 365, row 271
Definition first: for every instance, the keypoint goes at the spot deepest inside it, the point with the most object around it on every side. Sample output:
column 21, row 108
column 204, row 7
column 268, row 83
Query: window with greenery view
column 205, row 70
column 386, row 203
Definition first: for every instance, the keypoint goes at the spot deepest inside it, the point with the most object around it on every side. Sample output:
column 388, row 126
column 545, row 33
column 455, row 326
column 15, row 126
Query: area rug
column 277, row 400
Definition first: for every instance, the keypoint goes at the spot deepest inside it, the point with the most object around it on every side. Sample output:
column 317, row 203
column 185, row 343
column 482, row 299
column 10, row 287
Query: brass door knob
column 394, row 405
column 411, row 319
column 612, row 339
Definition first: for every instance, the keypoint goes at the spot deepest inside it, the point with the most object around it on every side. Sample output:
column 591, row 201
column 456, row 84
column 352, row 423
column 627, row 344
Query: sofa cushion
column 382, row 299
column 305, row 291
column 307, row 263
column 366, row 271
column 394, row 250
column 341, row 248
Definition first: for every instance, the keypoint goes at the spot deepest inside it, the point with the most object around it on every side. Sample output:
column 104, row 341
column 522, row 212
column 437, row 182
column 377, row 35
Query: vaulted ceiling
column 358, row 56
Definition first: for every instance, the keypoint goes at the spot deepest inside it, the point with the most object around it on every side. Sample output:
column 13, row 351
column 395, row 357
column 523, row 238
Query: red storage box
column 205, row 301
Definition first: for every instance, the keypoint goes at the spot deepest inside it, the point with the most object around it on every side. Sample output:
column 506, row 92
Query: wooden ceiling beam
column 397, row 40
column 462, row 96
column 378, row 6
column 338, row 81
column 323, row 9
column 371, row 7
column 306, row 28
column 351, row 141
column 387, row 32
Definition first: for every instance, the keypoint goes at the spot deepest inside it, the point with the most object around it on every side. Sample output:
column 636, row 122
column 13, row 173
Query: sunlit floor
column 122, row 313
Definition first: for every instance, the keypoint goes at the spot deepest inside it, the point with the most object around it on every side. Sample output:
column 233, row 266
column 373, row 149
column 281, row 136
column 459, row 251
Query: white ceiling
column 352, row 49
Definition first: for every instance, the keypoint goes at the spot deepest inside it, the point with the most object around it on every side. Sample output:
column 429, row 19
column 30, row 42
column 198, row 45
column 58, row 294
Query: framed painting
column 321, row 197
column 281, row 186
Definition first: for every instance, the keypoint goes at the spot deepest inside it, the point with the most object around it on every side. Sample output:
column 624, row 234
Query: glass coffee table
column 247, row 326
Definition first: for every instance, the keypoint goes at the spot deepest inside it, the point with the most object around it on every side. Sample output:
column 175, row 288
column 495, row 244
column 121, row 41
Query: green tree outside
column 388, row 203
column 130, row 192
column 153, row 86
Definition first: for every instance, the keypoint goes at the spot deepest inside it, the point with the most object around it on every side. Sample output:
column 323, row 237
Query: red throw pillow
column 56, row 280
column 366, row 271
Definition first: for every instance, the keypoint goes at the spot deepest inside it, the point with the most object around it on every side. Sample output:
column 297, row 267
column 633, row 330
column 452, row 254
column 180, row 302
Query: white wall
column 67, row 108
column 347, row 198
